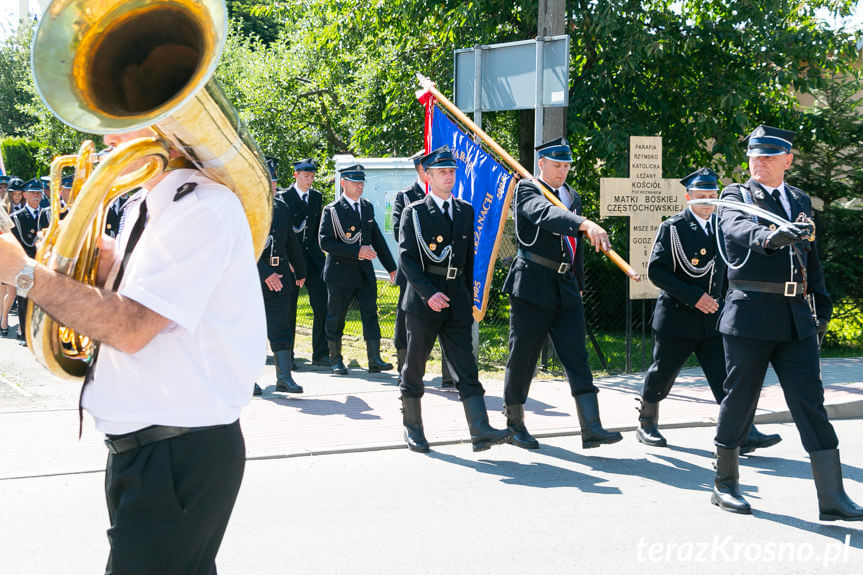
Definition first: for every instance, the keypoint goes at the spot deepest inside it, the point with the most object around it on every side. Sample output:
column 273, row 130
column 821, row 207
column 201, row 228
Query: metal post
column 628, row 367
column 477, row 87
column 643, row 328
column 538, row 111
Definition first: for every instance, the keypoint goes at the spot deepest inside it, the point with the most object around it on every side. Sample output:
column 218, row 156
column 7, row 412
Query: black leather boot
column 521, row 437
column 592, row 432
column 257, row 391
column 648, row 429
column 757, row 440
column 401, row 354
column 412, row 419
column 482, row 435
column 284, row 381
column 726, row 486
column 337, row 366
column 833, row 502
column 373, row 351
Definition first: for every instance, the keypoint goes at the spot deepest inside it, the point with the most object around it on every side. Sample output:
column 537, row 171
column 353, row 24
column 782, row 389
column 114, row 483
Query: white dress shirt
column 194, row 265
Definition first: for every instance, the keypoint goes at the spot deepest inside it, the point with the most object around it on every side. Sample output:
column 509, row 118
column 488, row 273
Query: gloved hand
column 787, row 234
column 822, row 329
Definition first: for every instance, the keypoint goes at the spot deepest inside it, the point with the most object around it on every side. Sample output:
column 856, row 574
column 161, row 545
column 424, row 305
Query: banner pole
column 429, row 86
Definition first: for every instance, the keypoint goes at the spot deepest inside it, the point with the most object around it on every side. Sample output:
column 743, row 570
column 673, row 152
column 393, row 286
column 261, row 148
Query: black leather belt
column 448, row 272
column 559, row 267
column 128, row 441
column 788, row 289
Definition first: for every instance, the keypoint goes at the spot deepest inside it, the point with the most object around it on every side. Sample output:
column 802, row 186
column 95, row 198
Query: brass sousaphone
column 107, row 66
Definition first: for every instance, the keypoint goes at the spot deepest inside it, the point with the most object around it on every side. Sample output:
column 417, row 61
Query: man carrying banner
column 405, row 197
column 352, row 238
column 545, row 283
column 436, row 251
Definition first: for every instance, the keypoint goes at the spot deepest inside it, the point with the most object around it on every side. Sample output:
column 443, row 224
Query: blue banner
column 484, row 183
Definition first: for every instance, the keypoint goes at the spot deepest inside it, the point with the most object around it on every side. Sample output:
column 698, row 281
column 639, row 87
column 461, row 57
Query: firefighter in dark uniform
column 26, row 221
column 684, row 265
column 351, row 238
column 46, row 214
column 416, row 191
column 544, row 284
column 115, row 214
column 15, row 194
column 306, row 204
column 436, row 250
column 282, row 272
column 776, row 309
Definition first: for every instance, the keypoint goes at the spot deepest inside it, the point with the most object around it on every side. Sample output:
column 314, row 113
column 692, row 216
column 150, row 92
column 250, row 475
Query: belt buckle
column 790, row 289
column 274, row 261
column 563, row 268
column 451, row 273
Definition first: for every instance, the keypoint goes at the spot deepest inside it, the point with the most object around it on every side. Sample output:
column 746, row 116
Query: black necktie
column 359, row 214
column 134, row 236
column 707, row 229
column 446, row 212
column 775, row 194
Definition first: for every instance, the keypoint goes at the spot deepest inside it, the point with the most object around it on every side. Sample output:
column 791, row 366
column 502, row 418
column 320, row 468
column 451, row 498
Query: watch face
column 24, row 281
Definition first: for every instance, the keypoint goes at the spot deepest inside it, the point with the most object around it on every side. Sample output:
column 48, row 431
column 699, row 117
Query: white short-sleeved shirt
column 194, row 265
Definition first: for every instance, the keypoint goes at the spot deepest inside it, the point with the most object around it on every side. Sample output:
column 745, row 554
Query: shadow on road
column 353, row 407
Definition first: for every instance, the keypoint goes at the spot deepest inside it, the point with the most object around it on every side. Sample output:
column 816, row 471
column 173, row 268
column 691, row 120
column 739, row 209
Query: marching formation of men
column 742, row 288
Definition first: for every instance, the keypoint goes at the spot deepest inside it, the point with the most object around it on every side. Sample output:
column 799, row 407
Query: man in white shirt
column 181, row 343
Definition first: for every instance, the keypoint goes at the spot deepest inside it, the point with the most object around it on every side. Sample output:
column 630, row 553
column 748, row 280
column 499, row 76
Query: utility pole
column 551, row 21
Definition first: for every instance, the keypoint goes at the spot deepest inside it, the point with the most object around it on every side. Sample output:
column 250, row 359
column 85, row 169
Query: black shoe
column 521, row 437
column 757, row 440
column 4, row 331
column 482, row 435
column 726, row 484
column 447, row 383
column 257, row 391
column 413, row 423
column 648, row 430
column 592, row 432
column 284, row 382
column 337, row 367
column 373, row 351
column 833, row 503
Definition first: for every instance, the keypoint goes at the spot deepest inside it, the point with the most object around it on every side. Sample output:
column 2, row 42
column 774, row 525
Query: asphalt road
column 616, row 509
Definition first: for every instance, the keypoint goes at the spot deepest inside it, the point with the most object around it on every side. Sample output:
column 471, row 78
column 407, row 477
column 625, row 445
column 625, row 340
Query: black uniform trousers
column 339, row 298
column 169, row 502
column 797, row 364
column 278, row 306
column 456, row 337
column 669, row 355
column 317, row 291
column 400, row 338
column 529, row 324
column 22, row 314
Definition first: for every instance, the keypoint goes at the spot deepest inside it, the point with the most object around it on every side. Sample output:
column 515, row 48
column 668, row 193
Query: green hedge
column 21, row 158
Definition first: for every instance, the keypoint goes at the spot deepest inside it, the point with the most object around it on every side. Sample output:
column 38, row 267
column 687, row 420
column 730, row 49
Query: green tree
column 14, row 74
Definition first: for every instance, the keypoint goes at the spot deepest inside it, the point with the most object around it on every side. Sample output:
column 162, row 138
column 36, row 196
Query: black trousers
column 22, row 314
column 455, row 338
column 278, row 306
column 400, row 337
column 797, row 364
column 339, row 299
column 169, row 502
column 669, row 355
column 529, row 325
column 317, row 292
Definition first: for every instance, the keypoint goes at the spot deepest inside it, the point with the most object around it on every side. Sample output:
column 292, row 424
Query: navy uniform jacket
column 307, row 217
column 675, row 312
column 541, row 227
column 436, row 234
column 343, row 267
column 26, row 229
column 281, row 244
column 403, row 199
column 768, row 316
column 115, row 215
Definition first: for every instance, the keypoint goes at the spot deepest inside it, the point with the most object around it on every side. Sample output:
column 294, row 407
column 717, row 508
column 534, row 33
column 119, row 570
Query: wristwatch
column 24, row 279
